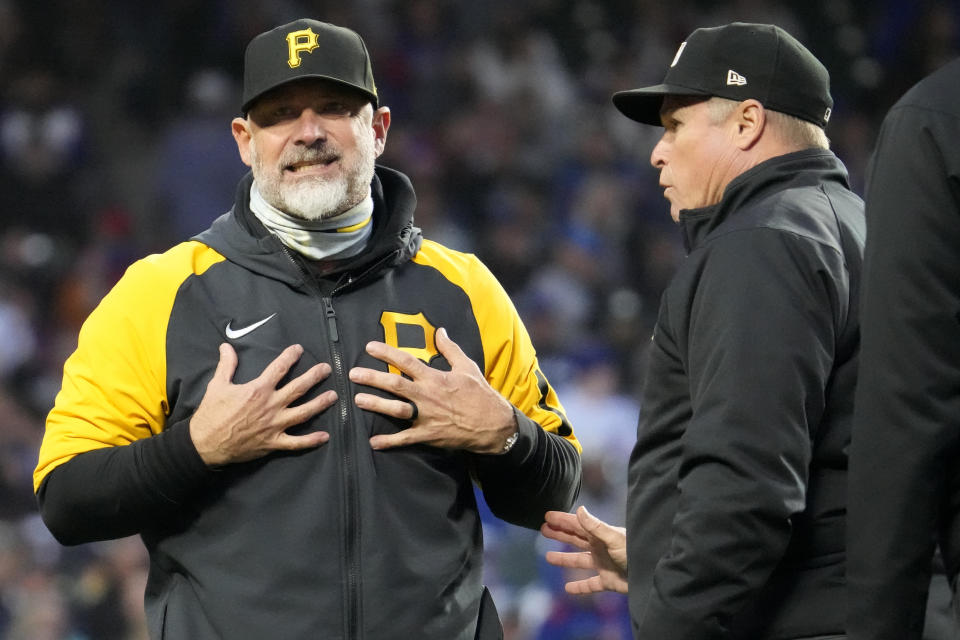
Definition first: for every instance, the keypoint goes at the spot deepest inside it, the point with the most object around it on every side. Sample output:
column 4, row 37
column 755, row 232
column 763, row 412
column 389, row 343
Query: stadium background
column 114, row 143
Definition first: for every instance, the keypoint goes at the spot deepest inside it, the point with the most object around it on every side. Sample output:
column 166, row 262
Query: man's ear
column 751, row 120
column 240, row 128
column 381, row 124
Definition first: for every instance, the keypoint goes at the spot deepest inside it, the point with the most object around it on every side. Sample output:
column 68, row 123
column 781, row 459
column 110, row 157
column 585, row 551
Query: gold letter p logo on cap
column 298, row 42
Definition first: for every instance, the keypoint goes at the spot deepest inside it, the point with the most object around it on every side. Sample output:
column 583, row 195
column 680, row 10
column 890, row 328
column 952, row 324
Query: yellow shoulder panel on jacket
column 510, row 364
column 114, row 384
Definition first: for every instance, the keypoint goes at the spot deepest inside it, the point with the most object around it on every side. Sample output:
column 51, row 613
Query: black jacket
column 905, row 455
column 737, row 482
column 338, row 542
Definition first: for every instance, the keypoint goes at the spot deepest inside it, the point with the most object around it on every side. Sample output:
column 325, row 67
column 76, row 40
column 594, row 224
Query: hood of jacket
column 807, row 168
column 241, row 238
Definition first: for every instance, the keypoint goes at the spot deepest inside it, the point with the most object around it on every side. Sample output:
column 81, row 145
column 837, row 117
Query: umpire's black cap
column 739, row 61
column 306, row 49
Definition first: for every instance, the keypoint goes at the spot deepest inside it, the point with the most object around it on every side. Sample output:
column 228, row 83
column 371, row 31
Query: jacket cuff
column 527, row 432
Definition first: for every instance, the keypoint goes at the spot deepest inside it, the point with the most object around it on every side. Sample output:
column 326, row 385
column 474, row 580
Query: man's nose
column 658, row 156
column 310, row 127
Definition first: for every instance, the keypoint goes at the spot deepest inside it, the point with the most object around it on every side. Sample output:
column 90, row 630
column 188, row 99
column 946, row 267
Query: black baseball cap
column 739, row 61
column 306, row 49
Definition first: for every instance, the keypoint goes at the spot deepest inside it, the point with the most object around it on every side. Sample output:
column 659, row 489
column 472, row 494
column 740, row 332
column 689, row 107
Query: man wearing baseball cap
column 277, row 406
column 736, row 506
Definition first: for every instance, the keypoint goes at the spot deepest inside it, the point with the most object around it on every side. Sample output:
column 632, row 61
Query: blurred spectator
column 521, row 64
column 571, row 283
column 518, row 232
column 197, row 163
column 599, row 616
column 594, row 400
column 18, row 342
column 19, row 440
column 107, row 594
column 10, row 26
column 42, row 145
column 32, row 604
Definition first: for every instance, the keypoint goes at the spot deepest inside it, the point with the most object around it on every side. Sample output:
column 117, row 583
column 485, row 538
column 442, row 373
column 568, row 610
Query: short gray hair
column 793, row 131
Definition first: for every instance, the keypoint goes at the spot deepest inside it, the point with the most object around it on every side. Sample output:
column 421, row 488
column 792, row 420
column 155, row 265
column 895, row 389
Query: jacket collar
column 809, row 167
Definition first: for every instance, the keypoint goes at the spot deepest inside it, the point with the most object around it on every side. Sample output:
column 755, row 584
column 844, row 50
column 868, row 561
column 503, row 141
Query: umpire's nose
column 658, row 157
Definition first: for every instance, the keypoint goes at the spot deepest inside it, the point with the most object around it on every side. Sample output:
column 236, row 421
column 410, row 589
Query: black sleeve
column 906, row 433
column 540, row 473
column 120, row 491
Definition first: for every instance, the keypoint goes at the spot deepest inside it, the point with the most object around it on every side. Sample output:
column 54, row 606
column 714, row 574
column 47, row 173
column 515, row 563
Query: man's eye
column 336, row 108
column 274, row 115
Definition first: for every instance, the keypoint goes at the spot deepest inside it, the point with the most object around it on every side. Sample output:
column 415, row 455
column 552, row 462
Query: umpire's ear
column 241, row 133
column 750, row 120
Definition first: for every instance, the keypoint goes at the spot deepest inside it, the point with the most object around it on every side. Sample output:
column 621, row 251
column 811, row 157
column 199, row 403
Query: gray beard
column 310, row 199
column 317, row 198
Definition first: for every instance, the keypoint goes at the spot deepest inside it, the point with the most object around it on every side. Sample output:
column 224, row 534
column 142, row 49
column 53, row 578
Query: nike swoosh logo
column 233, row 334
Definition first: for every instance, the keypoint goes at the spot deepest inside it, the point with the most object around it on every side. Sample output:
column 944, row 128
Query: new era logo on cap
column 734, row 78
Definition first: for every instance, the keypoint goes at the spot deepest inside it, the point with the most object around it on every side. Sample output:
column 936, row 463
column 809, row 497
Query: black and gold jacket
column 336, row 542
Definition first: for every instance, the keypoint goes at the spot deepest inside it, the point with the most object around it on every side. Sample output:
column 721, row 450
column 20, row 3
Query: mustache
column 319, row 153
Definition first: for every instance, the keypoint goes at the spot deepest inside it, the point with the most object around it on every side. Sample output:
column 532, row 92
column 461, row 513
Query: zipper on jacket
column 351, row 499
column 353, row 614
column 351, row 538
column 331, row 320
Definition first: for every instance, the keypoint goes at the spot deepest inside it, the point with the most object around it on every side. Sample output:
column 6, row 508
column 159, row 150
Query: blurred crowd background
column 115, row 143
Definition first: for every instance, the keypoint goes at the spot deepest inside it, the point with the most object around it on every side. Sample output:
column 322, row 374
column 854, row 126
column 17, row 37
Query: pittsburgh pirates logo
column 392, row 322
column 298, row 43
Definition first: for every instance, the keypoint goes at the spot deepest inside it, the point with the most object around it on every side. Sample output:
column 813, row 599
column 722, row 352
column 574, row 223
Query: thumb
column 452, row 351
column 227, row 364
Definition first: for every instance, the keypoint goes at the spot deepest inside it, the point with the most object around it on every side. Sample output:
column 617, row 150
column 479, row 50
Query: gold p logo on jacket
column 390, row 320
